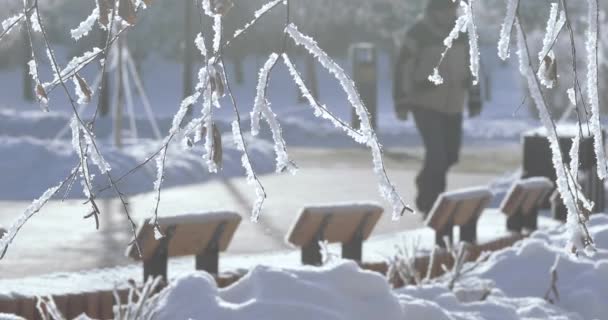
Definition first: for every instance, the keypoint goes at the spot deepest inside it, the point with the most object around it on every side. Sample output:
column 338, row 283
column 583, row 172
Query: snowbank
column 35, row 164
column 511, row 284
column 523, row 270
column 339, row 291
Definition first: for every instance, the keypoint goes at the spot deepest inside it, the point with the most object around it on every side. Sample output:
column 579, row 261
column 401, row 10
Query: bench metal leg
column 468, row 231
column 209, row 260
column 353, row 249
column 311, row 254
column 156, row 265
column 515, row 222
column 530, row 220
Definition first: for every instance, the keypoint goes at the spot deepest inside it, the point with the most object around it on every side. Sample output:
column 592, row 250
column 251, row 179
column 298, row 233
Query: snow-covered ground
column 34, row 163
column 511, row 284
column 40, row 158
column 376, row 249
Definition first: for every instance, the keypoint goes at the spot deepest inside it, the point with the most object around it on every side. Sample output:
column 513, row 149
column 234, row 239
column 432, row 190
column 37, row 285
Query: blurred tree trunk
column 311, row 74
column 28, row 84
column 188, row 85
column 118, row 111
column 238, row 69
column 104, row 94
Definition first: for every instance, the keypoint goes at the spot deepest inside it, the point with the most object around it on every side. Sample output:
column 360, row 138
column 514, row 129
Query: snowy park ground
column 513, row 283
column 40, row 157
column 333, row 169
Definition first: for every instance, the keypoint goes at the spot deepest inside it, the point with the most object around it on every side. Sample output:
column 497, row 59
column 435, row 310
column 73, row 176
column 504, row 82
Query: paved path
column 59, row 239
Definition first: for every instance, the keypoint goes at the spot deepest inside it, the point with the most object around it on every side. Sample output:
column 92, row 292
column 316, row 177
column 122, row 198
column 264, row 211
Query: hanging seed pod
column 84, row 89
column 217, row 151
column 105, row 9
column 221, row 7
column 126, row 10
column 43, row 99
column 217, row 147
column 216, row 81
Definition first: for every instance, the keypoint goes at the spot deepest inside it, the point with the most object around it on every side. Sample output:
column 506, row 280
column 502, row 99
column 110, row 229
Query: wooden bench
column 203, row 235
column 522, row 202
column 458, row 208
column 349, row 224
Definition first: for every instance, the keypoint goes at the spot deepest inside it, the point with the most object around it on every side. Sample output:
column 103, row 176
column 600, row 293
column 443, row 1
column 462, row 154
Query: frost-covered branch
column 368, row 136
column 506, row 28
column 32, row 209
column 547, row 70
column 261, row 108
column 592, row 87
column 464, row 23
column 579, row 235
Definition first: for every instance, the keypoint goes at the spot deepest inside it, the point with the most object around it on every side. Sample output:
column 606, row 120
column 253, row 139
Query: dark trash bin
column 537, row 161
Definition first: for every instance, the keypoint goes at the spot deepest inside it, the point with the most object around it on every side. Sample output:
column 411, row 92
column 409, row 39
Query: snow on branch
column 32, row 209
column 506, row 28
column 592, row 87
column 546, row 73
column 200, row 44
column 85, row 26
column 260, row 97
column 161, row 157
column 464, row 23
column 320, row 111
column 9, row 23
column 258, row 13
column 72, row 67
column 368, row 136
column 261, row 108
column 579, row 237
column 239, row 141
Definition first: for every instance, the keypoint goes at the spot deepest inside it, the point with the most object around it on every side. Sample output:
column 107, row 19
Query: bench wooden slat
column 522, row 202
column 349, row 224
column 341, row 226
column 458, row 208
column 192, row 234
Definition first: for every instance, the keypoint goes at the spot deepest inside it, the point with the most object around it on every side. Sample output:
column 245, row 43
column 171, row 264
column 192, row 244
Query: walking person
column 437, row 109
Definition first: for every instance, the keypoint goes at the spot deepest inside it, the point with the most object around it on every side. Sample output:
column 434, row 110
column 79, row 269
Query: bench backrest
column 334, row 223
column 190, row 234
column 457, row 208
column 526, row 195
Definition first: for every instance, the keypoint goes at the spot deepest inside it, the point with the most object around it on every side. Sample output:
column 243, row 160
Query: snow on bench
column 458, row 208
column 349, row 224
column 201, row 234
column 522, row 202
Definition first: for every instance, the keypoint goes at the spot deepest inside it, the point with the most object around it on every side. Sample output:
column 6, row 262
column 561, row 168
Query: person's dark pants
column 442, row 135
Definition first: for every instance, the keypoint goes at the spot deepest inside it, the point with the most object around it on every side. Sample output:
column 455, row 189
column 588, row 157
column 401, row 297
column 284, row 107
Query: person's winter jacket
column 419, row 55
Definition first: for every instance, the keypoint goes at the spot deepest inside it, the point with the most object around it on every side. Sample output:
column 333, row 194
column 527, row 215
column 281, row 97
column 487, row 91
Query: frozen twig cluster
column 141, row 303
column 402, row 265
column 213, row 88
column 466, row 24
column 117, row 16
column 546, row 75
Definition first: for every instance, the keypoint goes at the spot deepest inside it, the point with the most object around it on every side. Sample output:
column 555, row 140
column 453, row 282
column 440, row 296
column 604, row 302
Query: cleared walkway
column 59, row 239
